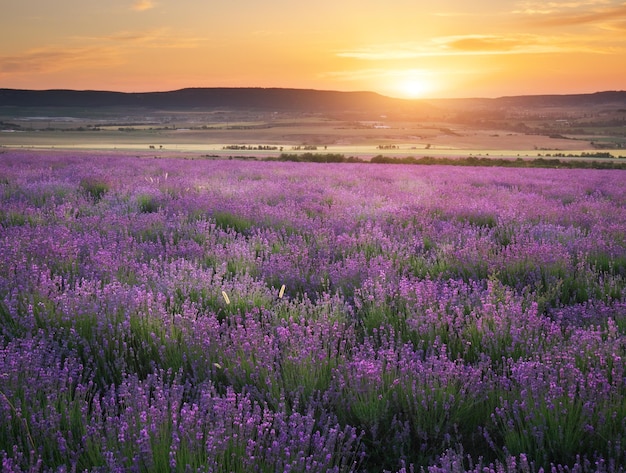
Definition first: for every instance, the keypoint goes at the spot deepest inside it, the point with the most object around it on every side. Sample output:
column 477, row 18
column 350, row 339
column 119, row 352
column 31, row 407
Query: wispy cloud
column 372, row 73
column 489, row 44
column 548, row 8
column 389, row 75
column 143, row 5
column 616, row 25
column 599, row 17
column 470, row 45
column 386, row 52
column 125, row 37
column 94, row 52
column 157, row 38
column 45, row 60
column 605, row 14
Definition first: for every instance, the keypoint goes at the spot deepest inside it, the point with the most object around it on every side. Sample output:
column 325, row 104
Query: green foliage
column 605, row 263
column 226, row 220
column 147, row 203
column 9, row 326
column 12, row 218
column 549, row 432
column 304, row 377
column 68, row 406
column 500, row 162
column 576, row 287
column 313, row 157
column 95, row 188
column 479, row 219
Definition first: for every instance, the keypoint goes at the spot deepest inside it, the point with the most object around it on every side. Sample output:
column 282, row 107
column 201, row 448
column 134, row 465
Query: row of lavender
column 455, row 319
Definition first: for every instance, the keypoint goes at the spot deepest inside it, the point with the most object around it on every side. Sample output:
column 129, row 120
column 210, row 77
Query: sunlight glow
column 414, row 88
column 412, row 84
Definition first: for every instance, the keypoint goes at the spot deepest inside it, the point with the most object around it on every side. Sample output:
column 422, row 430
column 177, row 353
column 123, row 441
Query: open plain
column 518, row 127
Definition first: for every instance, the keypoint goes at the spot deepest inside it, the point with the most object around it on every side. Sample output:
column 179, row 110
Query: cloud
column 485, row 44
column 387, row 52
column 151, row 38
column 377, row 74
column 598, row 17
column 547, row 8
column 600, row 13
column 361, row 74
column 46, row 60
column 94, row 52
column 465, row 45
column 143, row 5
column 125, row 37
column 502, row 44
column 617, row 25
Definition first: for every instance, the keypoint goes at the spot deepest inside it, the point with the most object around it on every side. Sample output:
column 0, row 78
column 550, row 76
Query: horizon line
column 303, row 89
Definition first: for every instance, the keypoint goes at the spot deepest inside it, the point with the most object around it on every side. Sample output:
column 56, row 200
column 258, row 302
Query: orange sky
column 408, row 48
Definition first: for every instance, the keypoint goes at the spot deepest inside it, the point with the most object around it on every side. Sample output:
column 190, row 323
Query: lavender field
column 228, row 316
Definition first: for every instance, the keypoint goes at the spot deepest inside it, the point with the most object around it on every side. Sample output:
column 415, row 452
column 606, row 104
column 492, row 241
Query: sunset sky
column 401, row 48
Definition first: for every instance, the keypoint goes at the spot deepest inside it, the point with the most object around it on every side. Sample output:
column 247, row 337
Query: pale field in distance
column 208, row 133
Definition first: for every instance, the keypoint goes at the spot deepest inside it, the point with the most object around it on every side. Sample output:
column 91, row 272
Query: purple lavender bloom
column 376, row 318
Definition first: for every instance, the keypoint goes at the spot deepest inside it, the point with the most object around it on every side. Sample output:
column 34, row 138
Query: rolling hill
column 298, row 100
column 203, row 98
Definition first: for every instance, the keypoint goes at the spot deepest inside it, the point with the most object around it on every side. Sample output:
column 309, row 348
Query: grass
column 546, row 431
column 227, row 220
column 147, row 203
column 12, row 218
column 95, row 188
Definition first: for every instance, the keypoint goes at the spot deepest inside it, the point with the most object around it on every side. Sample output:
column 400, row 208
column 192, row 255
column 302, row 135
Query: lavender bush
column 432, row 318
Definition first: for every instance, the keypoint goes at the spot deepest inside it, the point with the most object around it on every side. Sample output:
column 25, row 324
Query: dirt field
column 269, row 135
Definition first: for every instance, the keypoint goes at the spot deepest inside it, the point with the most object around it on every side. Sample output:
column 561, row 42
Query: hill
column 295, row 100
column 606, row 99
column 211, row 98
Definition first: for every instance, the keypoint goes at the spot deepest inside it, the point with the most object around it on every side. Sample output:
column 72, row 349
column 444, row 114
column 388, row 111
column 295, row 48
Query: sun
column 409, row 84
column 414, row 88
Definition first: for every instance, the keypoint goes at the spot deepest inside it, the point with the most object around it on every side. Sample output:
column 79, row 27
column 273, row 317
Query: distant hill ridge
column 574, row 100
column 243, row 98
column 612, row 99
column 281, row 99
